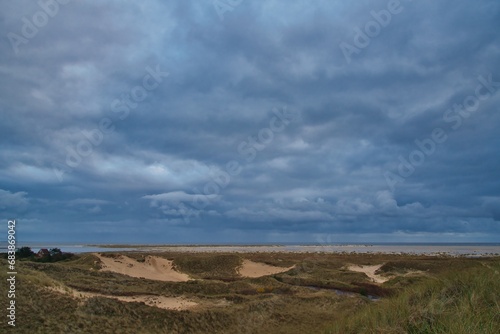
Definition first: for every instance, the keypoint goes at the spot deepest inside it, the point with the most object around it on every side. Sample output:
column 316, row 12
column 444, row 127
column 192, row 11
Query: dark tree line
column 53, row 255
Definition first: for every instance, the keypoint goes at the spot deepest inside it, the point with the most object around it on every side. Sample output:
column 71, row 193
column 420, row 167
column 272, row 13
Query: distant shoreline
column 449, row 249
column 359, row 244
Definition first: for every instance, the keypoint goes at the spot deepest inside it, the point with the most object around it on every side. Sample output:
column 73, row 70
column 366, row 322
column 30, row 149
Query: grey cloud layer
column 323, row 174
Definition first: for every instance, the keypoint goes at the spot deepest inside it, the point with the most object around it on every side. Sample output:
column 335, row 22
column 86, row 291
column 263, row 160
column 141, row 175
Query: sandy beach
column 434, row 250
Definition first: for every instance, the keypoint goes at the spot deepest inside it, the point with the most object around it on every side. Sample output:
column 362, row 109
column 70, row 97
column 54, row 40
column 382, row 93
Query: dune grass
column 425, row 295
column 457, row 301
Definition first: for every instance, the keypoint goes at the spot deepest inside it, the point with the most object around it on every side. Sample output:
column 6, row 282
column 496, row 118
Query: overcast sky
column 250, row 121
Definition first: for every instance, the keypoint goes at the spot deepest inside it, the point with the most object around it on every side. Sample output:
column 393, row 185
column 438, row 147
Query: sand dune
column 370, row 272
column 255, row 269
column 168, row 303
column 154, row 268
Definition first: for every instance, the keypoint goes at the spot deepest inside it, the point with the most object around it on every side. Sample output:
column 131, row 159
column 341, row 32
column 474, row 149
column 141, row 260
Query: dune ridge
column 153, row 267
column 256, row 269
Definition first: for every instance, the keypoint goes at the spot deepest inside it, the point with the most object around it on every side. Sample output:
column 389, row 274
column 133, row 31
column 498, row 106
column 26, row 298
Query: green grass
column 456, row 301
column 209, row 266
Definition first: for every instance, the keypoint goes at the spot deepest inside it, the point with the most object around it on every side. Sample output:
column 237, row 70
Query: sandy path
column 370, row 272
column 154, row 267
column 255, row 269
column 168, row 303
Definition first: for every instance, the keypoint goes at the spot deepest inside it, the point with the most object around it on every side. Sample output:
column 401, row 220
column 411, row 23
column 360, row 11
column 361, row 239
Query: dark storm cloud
column 324, row 172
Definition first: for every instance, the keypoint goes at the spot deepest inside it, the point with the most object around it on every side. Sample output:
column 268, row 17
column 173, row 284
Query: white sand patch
column 168, row 303
column 154, row 268
column 255, row 269
column 370, row 272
